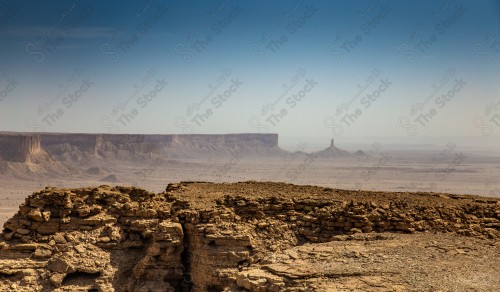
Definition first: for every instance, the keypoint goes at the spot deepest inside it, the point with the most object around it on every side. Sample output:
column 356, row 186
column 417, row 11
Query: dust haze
column 33, row 161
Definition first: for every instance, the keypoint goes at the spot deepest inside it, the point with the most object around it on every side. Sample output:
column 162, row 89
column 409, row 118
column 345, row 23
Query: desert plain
column 95, row 212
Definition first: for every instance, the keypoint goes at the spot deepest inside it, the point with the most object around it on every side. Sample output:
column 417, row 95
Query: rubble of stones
column 128, row 239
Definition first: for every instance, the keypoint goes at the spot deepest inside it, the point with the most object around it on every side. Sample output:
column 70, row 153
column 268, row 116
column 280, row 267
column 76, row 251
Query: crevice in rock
column 80, row 278
column 243, row 264
column 214, row 289
column 8, row 276
column 145, row 242
column 186, row 283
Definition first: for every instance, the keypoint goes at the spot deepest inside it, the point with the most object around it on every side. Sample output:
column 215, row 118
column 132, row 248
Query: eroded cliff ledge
column 248, row 237
column 19, row 147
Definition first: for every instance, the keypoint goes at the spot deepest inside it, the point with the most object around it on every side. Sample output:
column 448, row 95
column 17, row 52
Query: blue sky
column 298, row 68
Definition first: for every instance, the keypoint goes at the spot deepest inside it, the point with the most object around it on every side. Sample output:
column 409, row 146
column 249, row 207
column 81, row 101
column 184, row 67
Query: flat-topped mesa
column 205, row 236
column 19, row 147
column 91, row 141
column 83, row 142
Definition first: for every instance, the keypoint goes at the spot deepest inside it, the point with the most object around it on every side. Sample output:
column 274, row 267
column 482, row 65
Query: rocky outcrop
column 331, row 152
column 204, row 236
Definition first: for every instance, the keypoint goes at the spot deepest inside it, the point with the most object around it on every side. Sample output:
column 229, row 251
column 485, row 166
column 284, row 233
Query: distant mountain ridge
column 26, row 154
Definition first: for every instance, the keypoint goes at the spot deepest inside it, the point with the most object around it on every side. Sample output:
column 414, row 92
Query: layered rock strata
column 205, row 236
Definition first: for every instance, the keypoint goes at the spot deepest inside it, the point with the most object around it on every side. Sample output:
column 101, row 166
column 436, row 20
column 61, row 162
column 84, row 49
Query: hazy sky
column 297, row 68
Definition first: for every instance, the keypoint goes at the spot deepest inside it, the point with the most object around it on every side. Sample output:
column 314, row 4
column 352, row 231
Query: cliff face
column 19, row 147
column 82, row 142
column 229, row 237
column 90, row 142
column 262, row 140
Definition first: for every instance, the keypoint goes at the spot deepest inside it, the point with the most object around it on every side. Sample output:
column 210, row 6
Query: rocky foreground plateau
column 250, row 236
